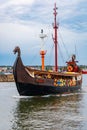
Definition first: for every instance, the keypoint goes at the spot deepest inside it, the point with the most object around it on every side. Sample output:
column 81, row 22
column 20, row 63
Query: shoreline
column 7, row 78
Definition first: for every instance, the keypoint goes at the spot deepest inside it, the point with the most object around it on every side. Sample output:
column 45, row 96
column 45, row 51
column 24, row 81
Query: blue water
column 66, row 112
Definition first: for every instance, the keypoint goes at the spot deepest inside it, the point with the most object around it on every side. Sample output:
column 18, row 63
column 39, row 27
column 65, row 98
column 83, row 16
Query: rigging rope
column 64, row 44
column 50, row 56
column 61, row 54
column 34, row 58
column 76, row 53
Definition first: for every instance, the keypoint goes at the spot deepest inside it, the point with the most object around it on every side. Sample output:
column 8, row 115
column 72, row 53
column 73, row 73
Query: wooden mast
column 55, row 26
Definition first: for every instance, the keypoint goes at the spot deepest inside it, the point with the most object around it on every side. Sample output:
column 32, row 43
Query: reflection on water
column 49, row 113
column 66, row 112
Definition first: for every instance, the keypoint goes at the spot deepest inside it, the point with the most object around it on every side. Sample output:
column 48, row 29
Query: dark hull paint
column 27, row 89
column 27, row 85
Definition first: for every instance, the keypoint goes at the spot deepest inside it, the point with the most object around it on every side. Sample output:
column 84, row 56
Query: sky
column 21, row 22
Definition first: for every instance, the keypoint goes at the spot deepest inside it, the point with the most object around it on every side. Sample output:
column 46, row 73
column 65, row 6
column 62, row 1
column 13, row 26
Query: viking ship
column 34, row 82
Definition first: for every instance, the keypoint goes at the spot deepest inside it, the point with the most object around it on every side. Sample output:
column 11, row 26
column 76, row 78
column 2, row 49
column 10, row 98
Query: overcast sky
column 21, row 22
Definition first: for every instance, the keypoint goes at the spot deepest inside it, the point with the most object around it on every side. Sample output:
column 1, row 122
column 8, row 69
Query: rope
column 50, row 56
column 61, row 54
column 76, row 53
column 64, row 44
column 34, row 58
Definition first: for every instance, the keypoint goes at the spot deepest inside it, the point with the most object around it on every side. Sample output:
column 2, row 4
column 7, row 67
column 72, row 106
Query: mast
column 42, row 52
column 55, row 26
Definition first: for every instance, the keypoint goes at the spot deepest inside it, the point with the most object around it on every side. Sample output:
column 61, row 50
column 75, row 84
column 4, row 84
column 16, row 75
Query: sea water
column 65, row 112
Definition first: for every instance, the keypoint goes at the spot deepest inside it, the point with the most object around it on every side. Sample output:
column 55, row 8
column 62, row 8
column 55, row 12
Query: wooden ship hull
column 31, row 82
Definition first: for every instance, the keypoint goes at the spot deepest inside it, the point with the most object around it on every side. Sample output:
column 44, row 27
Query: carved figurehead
column 17, row 50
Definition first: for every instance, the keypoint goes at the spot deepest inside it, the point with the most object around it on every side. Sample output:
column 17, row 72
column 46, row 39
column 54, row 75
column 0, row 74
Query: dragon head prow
column 17, row 50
